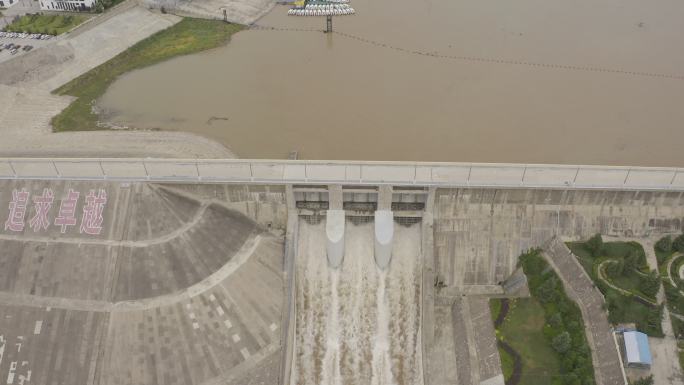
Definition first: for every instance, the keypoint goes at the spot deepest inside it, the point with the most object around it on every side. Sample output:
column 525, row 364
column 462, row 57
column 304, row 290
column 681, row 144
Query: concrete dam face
column 357, row 323
column 211, row 282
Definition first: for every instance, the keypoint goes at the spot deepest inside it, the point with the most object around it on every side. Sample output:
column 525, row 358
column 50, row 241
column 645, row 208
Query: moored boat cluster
column 323, row 8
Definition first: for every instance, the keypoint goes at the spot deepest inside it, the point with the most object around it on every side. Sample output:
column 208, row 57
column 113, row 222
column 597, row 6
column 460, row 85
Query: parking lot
column 15, row 44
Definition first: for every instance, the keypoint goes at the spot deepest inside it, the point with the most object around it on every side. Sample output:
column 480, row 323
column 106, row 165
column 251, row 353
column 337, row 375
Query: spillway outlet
column 334, row 231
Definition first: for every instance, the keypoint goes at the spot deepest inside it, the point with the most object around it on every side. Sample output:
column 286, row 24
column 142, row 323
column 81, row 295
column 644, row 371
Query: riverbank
column 27, row 105
column 186, row 37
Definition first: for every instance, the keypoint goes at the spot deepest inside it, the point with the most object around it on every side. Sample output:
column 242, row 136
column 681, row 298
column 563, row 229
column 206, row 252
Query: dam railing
column 345, row 172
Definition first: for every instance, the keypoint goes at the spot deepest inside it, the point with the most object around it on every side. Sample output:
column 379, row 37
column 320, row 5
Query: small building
column 637, row 351
column 67, row 5
column 7, row 3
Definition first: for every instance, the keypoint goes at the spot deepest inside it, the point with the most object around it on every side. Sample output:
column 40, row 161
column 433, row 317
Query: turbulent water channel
column 532, row 81
column 357, row 324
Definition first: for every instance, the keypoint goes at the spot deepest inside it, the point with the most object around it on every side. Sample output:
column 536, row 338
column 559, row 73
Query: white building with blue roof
column 637, row 351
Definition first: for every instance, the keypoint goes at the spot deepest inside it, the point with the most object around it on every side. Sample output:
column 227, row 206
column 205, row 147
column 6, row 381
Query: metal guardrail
column 344, row 172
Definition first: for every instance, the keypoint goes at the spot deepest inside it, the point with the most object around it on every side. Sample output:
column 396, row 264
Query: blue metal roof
column 637, row 349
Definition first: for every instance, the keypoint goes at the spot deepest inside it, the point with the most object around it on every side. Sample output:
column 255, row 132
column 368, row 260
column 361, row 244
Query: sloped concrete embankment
column 174, row 289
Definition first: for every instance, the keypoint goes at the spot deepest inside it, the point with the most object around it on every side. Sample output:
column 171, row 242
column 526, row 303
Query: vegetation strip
column 564, row 328
column 186, row 37
column 45, row 24
column 511, row 363
column 528, row 343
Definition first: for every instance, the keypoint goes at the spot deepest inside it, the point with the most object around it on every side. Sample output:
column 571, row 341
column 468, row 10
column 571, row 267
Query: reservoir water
column 535, row 81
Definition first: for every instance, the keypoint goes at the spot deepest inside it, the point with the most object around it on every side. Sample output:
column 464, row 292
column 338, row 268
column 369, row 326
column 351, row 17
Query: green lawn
column 622, row 308
column 186, row 37
column 631, row 281
column 523, row 329
column 495, row 308
column 611, row 250
column 46, row 24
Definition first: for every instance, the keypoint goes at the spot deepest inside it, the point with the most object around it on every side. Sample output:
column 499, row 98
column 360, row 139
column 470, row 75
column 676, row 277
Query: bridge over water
column 346, row 172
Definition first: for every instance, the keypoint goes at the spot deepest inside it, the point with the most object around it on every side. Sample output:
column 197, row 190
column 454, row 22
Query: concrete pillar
column 334, row 231
column 384, row 234
column 385, row 198
column 335, row 198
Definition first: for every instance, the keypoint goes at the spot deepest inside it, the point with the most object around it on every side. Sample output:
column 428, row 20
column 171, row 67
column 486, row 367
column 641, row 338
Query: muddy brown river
column 536, row 81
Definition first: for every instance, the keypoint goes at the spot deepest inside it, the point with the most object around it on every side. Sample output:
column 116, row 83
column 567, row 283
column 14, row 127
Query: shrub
column 650, row 284
column 632, row 261
column 643, row 381
column 562, row 342
column 547, row 290
column 595, row 245
column 556, row 321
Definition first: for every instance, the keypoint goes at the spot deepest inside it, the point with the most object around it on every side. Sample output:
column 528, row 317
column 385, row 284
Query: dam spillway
column 357, row 323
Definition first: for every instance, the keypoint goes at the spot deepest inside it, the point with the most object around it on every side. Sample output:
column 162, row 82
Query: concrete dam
column 259, row 279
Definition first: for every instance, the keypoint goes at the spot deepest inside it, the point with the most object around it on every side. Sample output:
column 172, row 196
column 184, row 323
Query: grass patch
column 631, row 281
column 546, row 331
column 46, row 24
column 495, row 308
column 627, row 309
column 610, row 250
column 506, row 364
column 186, row 37
column 523, row 330
column 623, row 308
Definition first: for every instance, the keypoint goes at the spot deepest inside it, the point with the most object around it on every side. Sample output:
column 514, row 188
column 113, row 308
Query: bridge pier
column 384, row 235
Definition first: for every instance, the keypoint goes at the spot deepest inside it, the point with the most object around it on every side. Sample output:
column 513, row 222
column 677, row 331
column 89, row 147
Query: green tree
column 678, row 243
column 595, row 245
column 547, row 290
column 664, row 244
column 562, row 342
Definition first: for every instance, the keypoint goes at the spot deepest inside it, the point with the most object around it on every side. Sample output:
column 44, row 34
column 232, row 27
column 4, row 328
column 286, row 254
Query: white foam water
column 357, row 324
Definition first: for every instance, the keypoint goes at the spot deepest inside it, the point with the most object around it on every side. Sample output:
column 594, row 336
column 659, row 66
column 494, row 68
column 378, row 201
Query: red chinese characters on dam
column 91, row 213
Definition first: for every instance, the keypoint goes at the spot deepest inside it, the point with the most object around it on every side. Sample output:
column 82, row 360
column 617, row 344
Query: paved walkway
column 581, row 289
